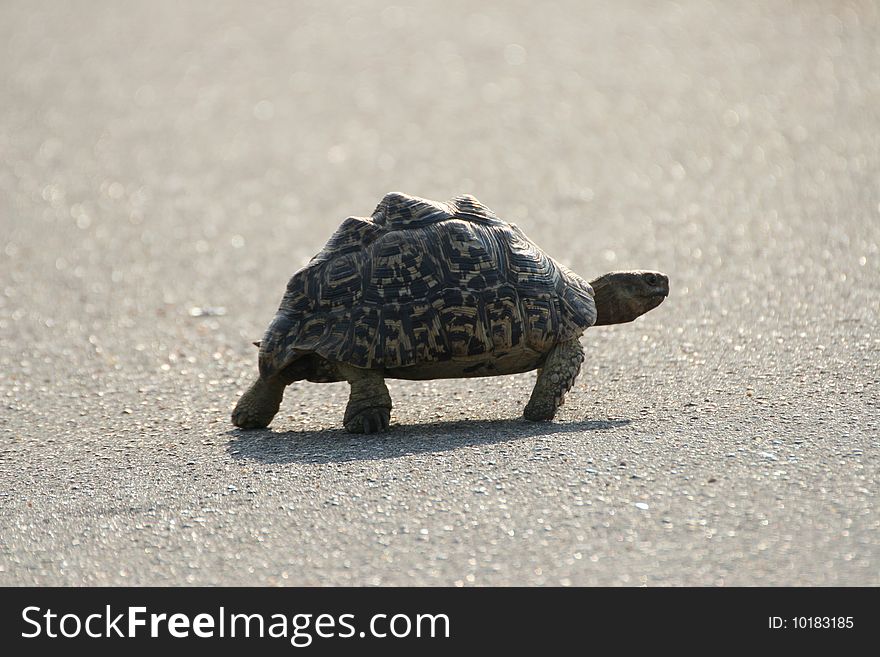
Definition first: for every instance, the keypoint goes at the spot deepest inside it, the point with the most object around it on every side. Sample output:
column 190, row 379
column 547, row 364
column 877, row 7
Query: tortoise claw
column 369, row 420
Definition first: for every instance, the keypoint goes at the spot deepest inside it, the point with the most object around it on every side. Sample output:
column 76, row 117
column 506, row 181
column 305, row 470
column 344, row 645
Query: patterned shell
column 421, row 282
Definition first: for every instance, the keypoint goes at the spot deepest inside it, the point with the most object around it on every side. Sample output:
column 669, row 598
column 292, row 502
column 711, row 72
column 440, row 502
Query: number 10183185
column 810, row 623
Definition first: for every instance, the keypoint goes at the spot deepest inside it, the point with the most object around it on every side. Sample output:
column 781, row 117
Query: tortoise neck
column 606, row 301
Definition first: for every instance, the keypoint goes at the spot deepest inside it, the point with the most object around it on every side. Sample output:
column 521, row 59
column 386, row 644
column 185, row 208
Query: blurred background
column 166, row 166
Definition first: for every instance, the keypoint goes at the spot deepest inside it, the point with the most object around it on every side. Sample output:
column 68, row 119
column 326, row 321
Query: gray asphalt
column 159, row 158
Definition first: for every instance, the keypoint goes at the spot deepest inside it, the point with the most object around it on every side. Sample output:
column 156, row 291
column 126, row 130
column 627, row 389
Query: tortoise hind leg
column 259, row 404
column 369, row 405
column 555, row 378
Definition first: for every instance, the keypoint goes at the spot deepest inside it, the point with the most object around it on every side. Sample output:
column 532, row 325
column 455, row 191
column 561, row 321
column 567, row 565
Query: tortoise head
column 621, row 296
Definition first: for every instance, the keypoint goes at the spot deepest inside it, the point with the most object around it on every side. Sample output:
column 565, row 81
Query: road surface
column 165, row 167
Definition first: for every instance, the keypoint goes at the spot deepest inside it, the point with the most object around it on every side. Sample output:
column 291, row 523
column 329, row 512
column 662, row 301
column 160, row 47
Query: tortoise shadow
column 339, row 446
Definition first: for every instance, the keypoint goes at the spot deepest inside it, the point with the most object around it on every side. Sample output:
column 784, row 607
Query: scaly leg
column 259, row 404
column 555, row 378
column 369, row 406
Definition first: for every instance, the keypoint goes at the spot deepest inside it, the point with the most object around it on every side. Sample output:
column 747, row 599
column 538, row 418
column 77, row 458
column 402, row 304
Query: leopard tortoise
column 428, row 290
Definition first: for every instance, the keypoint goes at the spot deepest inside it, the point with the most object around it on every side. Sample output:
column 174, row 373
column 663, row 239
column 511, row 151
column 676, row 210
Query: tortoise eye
column 651, row 279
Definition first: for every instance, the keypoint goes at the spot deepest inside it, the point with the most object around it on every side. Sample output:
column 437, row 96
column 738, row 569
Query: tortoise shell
column 420, row 284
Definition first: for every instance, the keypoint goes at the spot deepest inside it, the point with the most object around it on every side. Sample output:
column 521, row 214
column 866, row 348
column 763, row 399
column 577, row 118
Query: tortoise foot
column 258, row 405
column 539, row 412
column 369, row 420
column 555, row 379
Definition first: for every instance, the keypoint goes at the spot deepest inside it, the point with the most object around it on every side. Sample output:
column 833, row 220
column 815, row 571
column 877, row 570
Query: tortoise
column 429, row 290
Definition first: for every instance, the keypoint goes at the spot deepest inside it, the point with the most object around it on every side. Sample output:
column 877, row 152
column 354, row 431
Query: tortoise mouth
column 655, row 299
column 659, row 293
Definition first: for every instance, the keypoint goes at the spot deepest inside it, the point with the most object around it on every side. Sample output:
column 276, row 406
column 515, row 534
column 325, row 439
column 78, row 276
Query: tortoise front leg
column 369, row 405
column 555, row 379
